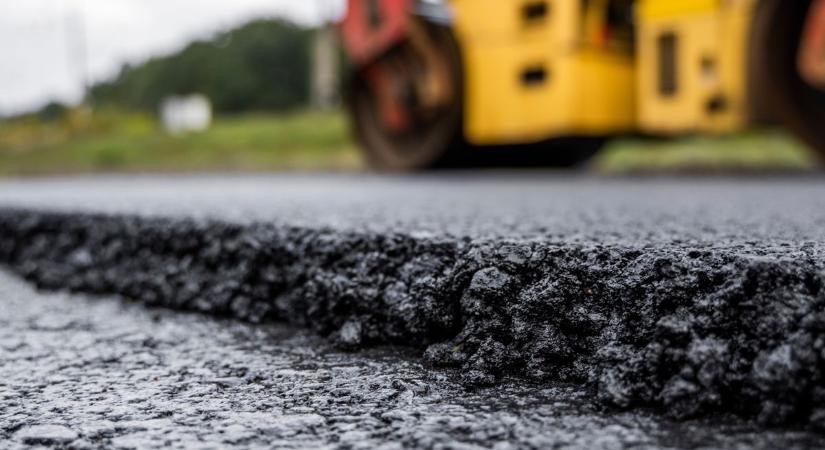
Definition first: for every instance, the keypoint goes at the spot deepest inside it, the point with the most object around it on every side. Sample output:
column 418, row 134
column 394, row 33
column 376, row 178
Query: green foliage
column 754, row 150
column 118, row 141
column 52, row 111
column 112, row 140
column 262, row 66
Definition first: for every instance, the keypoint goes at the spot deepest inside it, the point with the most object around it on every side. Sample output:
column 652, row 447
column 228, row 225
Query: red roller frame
column 812, row 48
column 371, row 27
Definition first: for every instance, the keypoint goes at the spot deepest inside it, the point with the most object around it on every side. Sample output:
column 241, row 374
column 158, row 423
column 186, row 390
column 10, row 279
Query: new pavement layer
column 81, row 373
column 694, row 297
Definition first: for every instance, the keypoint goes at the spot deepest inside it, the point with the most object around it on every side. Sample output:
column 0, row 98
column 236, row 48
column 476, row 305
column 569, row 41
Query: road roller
column 451, row 83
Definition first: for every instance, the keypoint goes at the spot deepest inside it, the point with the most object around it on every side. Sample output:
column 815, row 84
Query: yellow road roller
column 446, row 83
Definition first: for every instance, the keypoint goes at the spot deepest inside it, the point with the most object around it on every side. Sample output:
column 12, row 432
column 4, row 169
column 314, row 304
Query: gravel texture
column 694, row 297
column 81, row 373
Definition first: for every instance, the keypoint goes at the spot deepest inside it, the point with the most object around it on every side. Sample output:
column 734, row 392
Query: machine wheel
column 787, row 97
column 432, row 139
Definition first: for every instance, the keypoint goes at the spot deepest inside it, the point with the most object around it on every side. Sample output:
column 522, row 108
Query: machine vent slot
column 534, row 76
column 535, row 12
column 718, row 104
column 668, row 64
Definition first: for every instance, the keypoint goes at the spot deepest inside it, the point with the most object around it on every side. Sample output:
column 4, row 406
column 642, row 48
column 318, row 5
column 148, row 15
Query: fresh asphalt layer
column 98, row 373
column 585, row 312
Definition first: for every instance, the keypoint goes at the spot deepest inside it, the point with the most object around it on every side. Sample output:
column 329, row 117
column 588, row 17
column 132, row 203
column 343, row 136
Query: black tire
column 436, row 143
column 779, row 92
column 440, row 144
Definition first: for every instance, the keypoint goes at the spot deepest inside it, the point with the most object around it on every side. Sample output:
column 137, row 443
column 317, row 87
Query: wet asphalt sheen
column 500, row 310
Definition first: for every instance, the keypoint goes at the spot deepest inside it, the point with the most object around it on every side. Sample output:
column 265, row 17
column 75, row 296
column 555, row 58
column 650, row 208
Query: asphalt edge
column 691, row 330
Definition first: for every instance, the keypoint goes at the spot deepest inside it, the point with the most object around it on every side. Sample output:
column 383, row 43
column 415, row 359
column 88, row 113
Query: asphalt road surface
column 98, row 373
column 528, row 205
column 501, row 310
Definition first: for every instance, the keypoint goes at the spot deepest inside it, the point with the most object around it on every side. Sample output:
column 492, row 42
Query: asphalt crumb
column 686, row 328
column 140, row 378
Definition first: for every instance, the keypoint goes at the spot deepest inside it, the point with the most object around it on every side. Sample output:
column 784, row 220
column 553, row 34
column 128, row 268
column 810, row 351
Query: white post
column 325, row 62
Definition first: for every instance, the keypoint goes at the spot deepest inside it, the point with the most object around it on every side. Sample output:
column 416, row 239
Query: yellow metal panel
column 595, row 90
column 586, row 91
column 653, row 9
column 711, row 65
column 497, row 20
column 605, row 101
column 499, row 108
column 737, row 20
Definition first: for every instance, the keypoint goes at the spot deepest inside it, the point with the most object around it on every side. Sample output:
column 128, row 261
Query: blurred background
column 92, row 86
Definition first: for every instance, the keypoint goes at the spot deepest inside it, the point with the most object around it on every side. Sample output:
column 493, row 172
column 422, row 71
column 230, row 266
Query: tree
column 263, row 65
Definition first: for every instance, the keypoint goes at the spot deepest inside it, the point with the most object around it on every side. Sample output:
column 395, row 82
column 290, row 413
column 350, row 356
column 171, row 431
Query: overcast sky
column 40, row 39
